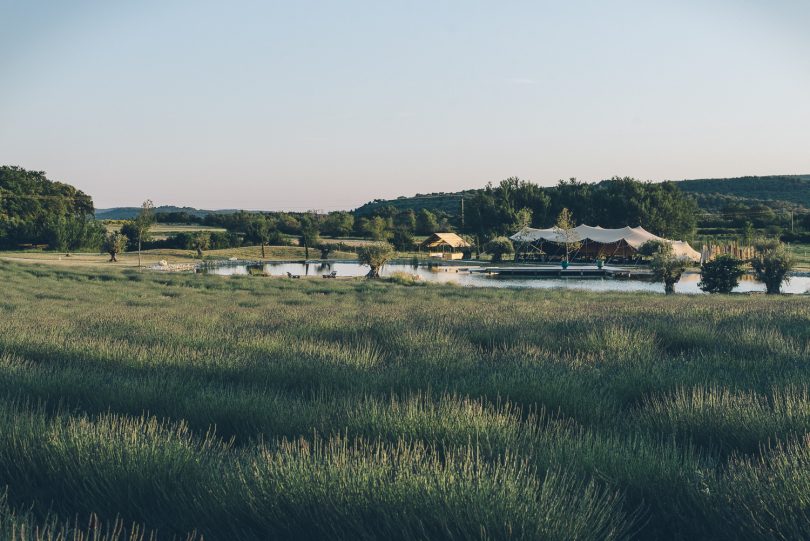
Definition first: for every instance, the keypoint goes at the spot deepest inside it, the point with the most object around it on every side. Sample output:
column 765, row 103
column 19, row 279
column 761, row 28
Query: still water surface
column 462, row 276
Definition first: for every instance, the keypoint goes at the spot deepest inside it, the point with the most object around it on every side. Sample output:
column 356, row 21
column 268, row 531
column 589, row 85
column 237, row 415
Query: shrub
column 652, row 247
column 721, row 275
column 498, row 247
column 406, row 279
column 771, row 264
column 666, row 266
column 224, row 239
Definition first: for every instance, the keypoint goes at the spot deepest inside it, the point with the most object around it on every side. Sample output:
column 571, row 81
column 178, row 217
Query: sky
column 323, row 105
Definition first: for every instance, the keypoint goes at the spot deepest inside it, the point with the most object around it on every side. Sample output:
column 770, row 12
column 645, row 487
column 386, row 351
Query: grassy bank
column 257, row 408
column 150, row 257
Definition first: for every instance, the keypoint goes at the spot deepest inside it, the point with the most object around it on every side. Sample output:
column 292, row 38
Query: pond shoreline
column 474, row 275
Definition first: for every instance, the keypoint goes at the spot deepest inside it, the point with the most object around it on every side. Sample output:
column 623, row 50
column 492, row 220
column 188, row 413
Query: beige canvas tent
column 445, row 246
column 597, row 241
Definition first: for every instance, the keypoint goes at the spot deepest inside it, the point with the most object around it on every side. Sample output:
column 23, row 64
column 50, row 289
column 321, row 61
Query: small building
column 446, row 246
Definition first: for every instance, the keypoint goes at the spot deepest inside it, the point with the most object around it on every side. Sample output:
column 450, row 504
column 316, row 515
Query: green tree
column 142, row 223
column 114, row 244
column 805, row 222
column 257, row 231
column 69, row 233
column 200, row 241
column 666, row 266
column 523, row 219
column 405, row 220
column 426, row 223
column 310, row 233
column 498, row 247
column 87, row 234
column 36, row 210
column 660, row 207
column 748, row 232
column 130, row 231
column 287, row 223
column 59, row 236
column 564, row 226
column 721, row 275
column 377, row 228
column 325, row 249
column 338, row 224
column 375, row 255
column 403, row 240
column 499, row 210
column 772, row 263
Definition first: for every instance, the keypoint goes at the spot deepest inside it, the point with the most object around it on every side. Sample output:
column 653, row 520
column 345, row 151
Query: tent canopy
column 633, row 236
column 452, row 240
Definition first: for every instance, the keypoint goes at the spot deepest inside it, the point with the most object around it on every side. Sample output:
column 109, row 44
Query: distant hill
column 127, row 213
column 777, row 190
column 447, row 202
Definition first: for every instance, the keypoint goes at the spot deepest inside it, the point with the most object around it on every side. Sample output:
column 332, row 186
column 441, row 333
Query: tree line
column 35, row 210
column 38, row 211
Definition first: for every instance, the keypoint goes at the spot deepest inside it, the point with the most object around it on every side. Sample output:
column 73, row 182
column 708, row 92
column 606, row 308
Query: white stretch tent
column 633, row 236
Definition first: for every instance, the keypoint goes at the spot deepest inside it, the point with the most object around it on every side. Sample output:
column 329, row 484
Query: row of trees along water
column 484, row 214
column 35, row 211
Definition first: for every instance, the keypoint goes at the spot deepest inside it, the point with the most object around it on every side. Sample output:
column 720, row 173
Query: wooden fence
column 710, row 251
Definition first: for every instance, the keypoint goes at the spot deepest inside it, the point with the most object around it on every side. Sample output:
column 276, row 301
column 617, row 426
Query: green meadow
column 135, row 404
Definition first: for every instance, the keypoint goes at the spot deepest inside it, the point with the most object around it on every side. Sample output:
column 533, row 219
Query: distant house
column 446, row 246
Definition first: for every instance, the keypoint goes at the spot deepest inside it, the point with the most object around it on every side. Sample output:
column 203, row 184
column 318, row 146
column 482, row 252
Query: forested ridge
column 787, row 188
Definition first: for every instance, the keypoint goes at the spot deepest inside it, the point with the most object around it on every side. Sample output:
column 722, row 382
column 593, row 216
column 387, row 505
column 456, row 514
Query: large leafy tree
column 70, row 233
column 257, row 230
column 377, row 227
column 310, row 232
column 426, row 223
column 338, row 224
column 36, row 210
column 375, row 255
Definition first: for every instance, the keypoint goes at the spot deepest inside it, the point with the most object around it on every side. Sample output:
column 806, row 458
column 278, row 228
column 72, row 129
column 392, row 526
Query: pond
column 461, row 275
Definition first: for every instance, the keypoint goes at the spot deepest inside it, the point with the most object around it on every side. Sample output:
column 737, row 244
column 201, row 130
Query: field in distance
column 296, row 409
column 162, row 231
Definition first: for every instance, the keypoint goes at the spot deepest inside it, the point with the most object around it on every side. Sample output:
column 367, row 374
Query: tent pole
column 614, row 251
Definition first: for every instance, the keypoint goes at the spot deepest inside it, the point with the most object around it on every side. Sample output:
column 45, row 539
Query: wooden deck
column 556, row 271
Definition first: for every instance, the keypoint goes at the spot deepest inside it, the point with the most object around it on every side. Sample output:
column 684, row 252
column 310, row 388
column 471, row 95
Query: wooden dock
column 556, row 271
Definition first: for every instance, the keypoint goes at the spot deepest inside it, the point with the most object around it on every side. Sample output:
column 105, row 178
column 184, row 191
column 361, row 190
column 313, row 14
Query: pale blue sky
column 324, row 105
